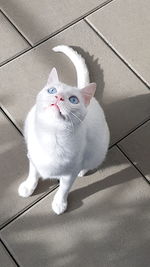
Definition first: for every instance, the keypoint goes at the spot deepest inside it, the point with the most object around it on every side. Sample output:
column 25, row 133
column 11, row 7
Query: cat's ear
column 88, row 92
column 53, row 77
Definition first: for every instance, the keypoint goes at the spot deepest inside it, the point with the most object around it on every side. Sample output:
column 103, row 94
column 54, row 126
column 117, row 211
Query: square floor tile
column 5, row 259
column 124, row 97
column 39, row 19
column 14, row 169
column 12, row 43
column 137, row 147
column 126, row 26
column 107, row 223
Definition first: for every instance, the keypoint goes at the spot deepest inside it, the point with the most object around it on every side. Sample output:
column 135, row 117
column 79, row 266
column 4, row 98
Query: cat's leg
column 82, row 172
column 59, row 204
column 28, row 186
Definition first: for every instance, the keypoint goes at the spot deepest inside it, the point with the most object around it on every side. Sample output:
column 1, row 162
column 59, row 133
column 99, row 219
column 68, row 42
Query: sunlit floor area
column 107, row 222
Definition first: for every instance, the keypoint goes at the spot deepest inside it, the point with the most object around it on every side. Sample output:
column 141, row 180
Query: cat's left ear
column 53, row 77
column 88, row 92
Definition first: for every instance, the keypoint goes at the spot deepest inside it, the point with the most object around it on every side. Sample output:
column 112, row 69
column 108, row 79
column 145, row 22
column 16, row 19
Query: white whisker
column 72, row 125
column 76, row 116
column 73, row 114
column 68, row 117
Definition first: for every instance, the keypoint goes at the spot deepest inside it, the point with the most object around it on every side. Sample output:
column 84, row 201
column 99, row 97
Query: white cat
column 66, row 132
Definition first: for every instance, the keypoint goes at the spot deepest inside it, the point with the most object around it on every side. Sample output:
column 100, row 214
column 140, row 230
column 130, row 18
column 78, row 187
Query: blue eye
column 52, row 90
column 73, row 99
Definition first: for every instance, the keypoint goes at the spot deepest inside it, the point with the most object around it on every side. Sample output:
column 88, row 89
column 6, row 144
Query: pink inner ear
column 88, row 92
column 53, row 77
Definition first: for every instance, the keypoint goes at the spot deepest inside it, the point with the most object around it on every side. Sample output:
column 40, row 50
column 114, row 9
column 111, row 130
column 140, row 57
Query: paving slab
column 5, row 259
column 12, row 43
column 38, row 20
column 137, row 147
column 13, row 170
column 126, row 26
column 124, row 97
column 107, row 223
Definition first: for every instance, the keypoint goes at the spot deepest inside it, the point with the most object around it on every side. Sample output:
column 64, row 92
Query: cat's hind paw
column 59, row 207
column 25, row 190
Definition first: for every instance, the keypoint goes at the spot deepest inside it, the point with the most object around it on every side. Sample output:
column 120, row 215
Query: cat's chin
column 57, row 113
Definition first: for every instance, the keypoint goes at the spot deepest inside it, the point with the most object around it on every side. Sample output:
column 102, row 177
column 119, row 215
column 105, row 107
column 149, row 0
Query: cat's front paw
column 59, row 206
column 25, row 190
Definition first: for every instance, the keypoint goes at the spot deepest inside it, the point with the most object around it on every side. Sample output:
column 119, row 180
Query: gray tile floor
column 108, row 220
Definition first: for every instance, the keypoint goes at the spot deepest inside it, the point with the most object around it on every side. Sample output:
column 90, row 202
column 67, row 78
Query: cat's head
column 60, row 104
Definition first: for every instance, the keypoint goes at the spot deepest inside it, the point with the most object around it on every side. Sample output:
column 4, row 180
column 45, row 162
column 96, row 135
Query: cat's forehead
column 67, row 88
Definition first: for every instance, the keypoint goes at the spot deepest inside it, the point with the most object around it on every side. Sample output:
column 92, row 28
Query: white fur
column 67, row 143
column 79, row 63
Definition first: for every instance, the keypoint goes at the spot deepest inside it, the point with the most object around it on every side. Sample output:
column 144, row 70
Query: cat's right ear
column 88, row 92
column 53, row 77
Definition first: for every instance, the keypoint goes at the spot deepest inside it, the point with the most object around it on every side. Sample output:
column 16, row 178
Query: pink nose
column 59, row 98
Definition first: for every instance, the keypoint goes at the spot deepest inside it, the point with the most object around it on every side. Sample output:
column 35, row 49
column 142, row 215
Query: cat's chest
column 53, row 152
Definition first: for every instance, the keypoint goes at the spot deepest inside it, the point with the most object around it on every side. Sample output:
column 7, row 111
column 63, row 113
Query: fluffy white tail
column 79, row 63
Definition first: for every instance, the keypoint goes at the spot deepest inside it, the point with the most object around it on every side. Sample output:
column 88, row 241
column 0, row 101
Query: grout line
column 117, row 53
column 10, row 118
column 132, row 131
column 120, row 149
column 9, row 253
column 65, row 27
column 16, row 28
column 28, row 207
column 15, row 56
column 56, row 32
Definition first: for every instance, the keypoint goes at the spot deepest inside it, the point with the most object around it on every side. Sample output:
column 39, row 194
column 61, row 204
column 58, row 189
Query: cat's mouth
column 58, row 110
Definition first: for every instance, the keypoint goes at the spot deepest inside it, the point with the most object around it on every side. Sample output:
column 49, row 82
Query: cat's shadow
column 95, row 71
column 76, row 197
column 45, row 185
